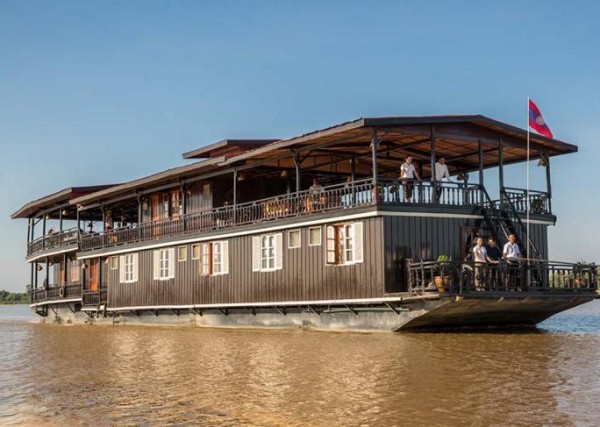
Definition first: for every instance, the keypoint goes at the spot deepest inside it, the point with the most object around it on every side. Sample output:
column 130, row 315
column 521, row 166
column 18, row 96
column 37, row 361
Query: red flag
column 536, row 121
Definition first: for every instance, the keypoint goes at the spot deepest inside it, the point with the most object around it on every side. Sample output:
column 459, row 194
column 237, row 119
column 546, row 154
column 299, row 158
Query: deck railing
column 57, row 292
column 527, row 275
column 51, row 241
column 95, row 297
column 307, row 202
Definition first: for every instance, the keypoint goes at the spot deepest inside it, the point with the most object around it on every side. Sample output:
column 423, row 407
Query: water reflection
column 90, row 375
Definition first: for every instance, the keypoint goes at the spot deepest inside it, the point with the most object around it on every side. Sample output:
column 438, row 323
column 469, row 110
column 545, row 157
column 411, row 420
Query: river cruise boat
column 316, row 231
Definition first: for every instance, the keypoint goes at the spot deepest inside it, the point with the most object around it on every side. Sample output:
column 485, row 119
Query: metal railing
column 317, row 200
column 51, row 241
column 526, row 275
column 95, row 297
column 537, row 203
column 57, row 292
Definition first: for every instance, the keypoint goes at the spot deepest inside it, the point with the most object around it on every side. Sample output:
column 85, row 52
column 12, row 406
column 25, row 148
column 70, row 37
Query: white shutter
column 136, row 268
column 357, row 229
column 256, row 250
column 171, row 263
column 330, row 246
column 156, row 265
column 278, row 251
column 224, row 257
column 122, row 269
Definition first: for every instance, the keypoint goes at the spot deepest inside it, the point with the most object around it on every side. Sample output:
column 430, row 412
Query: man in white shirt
column 511, row 253
column 407, row 175
column 441, row 175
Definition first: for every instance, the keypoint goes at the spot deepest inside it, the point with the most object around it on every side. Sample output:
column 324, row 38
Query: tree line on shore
column 7, row 297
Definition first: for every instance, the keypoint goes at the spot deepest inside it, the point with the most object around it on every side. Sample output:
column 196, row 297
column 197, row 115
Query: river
column 54, row 375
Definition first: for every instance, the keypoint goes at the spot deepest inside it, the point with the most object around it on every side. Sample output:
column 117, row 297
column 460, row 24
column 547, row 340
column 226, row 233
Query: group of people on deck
column 491, row 255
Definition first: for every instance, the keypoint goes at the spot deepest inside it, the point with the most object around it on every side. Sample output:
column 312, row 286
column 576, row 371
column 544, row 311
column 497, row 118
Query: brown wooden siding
column 304, row 276
column 426, row 238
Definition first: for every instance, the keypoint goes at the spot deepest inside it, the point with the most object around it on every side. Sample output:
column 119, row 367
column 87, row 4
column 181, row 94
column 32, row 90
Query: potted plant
column 537, row 204
column 441, row 280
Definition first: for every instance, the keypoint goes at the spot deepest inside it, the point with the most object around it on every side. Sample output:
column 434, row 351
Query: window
column 195, row 251
column 182, row 253
column 129, row 268
column 214, row 258
column 266, row 252
column 314, row 236
column 114, row 263
column 294, row 239
column 345, row 243
column 164, row 266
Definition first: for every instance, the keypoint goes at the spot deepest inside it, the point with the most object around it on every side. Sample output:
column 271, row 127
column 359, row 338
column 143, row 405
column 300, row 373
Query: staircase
column 503, row 219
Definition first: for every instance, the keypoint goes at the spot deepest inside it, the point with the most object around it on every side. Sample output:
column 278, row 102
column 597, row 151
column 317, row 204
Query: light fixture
column 241, row 177
column 84, row 266
column 284, row 174
column 65, row 212
column 50, row 264
column 39, row 268
column 542, row 162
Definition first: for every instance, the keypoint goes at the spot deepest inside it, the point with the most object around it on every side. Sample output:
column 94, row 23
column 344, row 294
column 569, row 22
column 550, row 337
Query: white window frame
column 345, row 244
column 214, row 258
column 128, row 268
column 267, row 253
column 182, row 249
column 289, row 236
column 164, row 264
column 196, row 251
column 310, row 242
column 113, row 263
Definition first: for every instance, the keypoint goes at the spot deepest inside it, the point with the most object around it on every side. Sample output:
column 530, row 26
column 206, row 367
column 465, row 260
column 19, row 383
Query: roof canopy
column 333, row 150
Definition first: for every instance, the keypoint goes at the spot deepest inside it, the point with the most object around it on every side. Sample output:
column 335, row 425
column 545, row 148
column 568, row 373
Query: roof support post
column 182, row 214
column 296, row 159
column 434, row 182
column 47, row 280
column 35, row 280
column 235, row 202
column 374, row 144
column 65, row 275
column 31, row 280
column 43, row 230
column 139, row 218
column 480, row 146
column 29, row 230
column 546, row 157
column 60, row 220
column 501, row 167
column 78, row 225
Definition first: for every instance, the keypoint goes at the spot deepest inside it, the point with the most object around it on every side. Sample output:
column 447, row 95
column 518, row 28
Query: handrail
column 528, row 275
column 306, row 202
column 522, row 228
column 55, row 240
column 538, row 202
column 57, row 292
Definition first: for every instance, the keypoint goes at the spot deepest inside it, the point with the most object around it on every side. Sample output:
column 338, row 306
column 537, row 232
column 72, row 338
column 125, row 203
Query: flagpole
column 528, row 199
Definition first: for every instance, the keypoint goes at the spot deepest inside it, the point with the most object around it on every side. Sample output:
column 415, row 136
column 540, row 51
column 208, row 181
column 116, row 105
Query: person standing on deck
column 407, row 176
column 511, row 253
column 480, row 258
column 494, row 256
column 441, row 175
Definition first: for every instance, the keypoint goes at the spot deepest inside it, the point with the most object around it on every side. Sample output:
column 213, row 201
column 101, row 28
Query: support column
column 32, row 286
column 60, row 219
column 548, row 181
column 235, row 176
column 501, row 167
column 43, row 230
column 296, row 158
column 433, row 179
column 35, row 280
column 374, row 145
column 99, row 274
column 65, row 275
column 480, row 170
column 47, row 272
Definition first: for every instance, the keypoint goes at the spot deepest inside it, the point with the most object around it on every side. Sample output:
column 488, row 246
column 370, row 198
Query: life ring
column 61, row 292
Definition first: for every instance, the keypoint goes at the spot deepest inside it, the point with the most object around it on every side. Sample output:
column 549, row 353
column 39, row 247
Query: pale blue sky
column 100, row 92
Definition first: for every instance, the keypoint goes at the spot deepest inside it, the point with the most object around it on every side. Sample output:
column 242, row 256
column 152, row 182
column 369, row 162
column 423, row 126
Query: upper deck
column 248, row 182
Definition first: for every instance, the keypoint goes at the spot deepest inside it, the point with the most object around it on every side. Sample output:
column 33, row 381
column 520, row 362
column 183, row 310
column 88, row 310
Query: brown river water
column 165, row 376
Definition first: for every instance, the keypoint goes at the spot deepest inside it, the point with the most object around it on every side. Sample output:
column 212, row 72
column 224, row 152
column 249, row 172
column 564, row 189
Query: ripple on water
column 131, row 376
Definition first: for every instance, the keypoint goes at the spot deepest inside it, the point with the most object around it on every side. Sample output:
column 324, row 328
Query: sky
column 102, row 92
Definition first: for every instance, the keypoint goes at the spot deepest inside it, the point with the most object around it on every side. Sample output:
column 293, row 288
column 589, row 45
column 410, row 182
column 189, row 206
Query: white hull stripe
column 62, row 301
column 48, row 254
column 263, row 304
